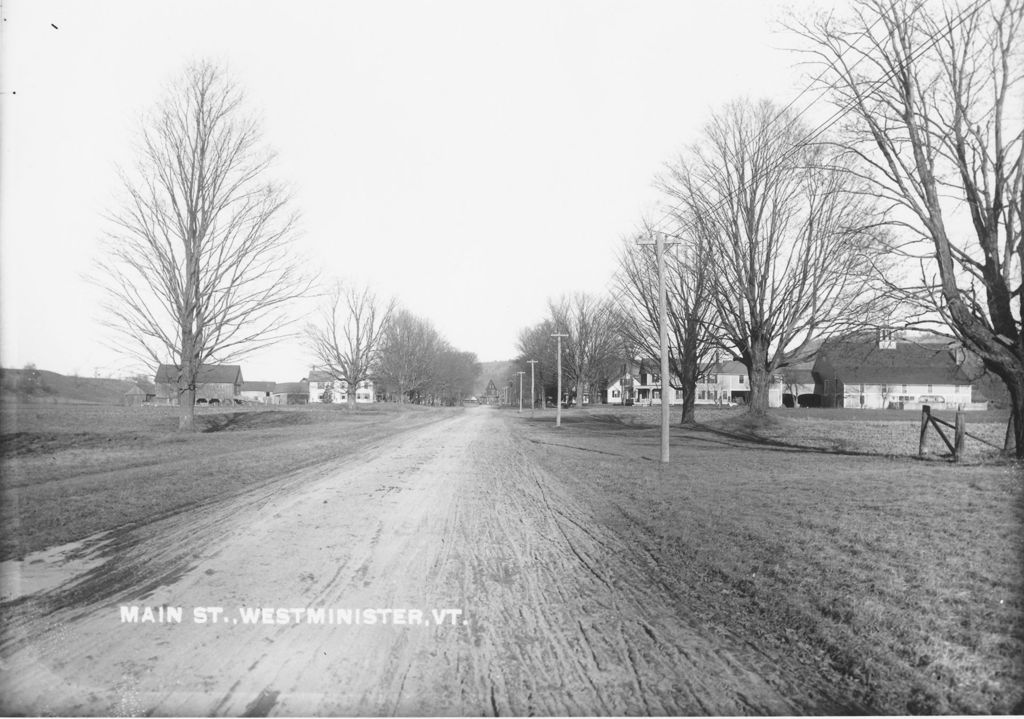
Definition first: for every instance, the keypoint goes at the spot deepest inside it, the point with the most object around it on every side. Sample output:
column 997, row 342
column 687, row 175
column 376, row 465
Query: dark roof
column 292, row 388
column 730, row 367
column 258, row 386
column 208, row 374
column 319, row 375
column 863, row 361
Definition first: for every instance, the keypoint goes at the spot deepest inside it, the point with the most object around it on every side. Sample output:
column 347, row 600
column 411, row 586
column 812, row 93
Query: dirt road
column 527, row 604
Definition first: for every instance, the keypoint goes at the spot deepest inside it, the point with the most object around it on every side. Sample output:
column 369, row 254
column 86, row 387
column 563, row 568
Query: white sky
column 471, row 158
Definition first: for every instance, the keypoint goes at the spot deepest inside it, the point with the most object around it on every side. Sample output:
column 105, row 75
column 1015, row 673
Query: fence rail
column 960, row 433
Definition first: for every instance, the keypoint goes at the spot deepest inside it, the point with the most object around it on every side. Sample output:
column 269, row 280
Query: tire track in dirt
column 563, row 615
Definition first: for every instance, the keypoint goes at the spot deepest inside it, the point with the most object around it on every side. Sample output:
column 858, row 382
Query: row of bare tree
column 200, row 265
column 908, row 214
column 359, row 336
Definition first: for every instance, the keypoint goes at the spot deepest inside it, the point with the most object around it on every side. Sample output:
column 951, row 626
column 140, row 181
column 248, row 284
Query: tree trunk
column 1015, row 385
column 350, row 397
column 759, row 379
column 187, row 415
column 689, row 390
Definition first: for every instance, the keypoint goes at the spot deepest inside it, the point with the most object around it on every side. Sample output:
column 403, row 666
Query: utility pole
column 533, row 394
column 659, row 243
column 520, row 373
column 558, row 399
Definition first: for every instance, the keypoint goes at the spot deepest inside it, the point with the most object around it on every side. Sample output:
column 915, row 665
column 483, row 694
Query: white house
column 323, row 386
column 730, row 382
column 640, row 384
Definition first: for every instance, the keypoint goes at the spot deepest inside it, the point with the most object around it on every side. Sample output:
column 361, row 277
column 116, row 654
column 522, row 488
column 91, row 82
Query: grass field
column 904, row 577
column 70, row 471
column 855, row 431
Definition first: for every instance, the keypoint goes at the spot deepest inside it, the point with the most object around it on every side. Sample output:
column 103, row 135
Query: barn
column 215, row 384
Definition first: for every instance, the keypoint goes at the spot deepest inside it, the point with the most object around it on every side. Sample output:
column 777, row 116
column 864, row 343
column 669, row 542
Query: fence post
column 926, row 411
column 959, row 430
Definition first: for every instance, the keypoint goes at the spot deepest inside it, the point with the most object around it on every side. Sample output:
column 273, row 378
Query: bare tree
column 453, row 376
column 934, row 96
column 409, row 354
column 792, row 238
column 536, row 343
column 690, row 307
column 197, row 267
column 346, row 340
column 593, row 345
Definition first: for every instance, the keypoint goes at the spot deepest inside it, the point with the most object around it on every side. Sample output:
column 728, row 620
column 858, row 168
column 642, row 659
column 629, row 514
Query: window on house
column 904, row 390
column 679, row 394
column 616, row 394
column 742, row 377
column 929, row 388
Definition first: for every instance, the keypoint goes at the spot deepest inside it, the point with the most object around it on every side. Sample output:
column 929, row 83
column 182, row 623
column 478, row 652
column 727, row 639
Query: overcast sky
column 472, row 159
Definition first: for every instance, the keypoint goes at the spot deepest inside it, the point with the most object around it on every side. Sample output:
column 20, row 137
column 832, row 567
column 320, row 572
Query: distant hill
column 497, row 371
column 23, row 385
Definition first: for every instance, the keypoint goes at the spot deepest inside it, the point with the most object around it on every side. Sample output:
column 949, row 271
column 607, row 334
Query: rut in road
column 562, row 616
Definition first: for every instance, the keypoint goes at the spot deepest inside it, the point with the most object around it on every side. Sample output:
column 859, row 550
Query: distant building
column 291, row 393
column 215, row 384
column 258, row 391
column 721, row 383
column 321, row 382
column 870, row 372
column 491, row 395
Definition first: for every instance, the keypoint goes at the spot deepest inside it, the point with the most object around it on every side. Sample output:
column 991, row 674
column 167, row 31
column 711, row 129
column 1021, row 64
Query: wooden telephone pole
column 558, row 399
column 659, row 243
column 520, row 373
column 533, row 394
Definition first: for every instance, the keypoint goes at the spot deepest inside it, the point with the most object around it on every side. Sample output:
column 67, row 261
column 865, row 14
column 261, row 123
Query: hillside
column 23, row 385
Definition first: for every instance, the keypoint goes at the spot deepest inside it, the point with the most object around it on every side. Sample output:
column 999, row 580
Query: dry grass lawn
column 903, row 576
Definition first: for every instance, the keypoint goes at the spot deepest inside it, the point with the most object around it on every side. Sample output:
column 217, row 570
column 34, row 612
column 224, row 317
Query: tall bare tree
column 592, row 348
column 934, row 95
column 346, row 340
column 409, row 354
column 536, row 343
column 453, row 375
column 792, row 237
column 690, row 308
column 197, row 265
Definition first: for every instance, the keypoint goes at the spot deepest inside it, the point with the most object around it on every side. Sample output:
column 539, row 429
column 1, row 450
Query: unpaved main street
column 560, row 614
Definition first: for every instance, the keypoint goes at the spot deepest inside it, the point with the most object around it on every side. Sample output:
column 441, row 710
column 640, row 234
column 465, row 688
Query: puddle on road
column 48, row 569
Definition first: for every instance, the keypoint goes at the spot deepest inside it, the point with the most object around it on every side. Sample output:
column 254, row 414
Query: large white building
column 880, row 373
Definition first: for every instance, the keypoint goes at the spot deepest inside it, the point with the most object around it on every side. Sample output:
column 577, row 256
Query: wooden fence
column 960, row 433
